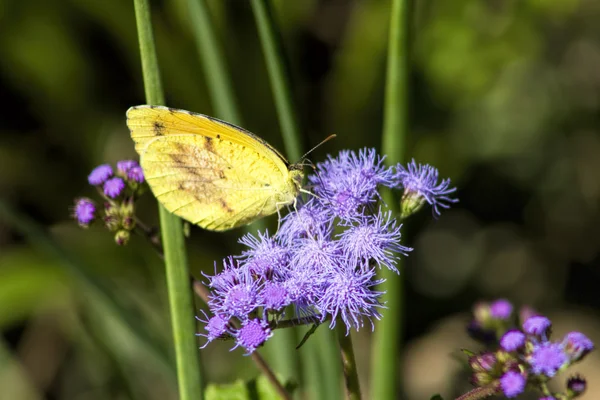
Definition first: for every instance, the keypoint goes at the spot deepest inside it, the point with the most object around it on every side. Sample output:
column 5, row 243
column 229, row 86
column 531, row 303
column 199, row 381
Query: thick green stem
column 348, row 363
column 388, row 331
column 178, row 283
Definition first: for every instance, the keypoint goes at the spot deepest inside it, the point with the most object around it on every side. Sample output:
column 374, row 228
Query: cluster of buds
column 520, row 355
column 118, row 189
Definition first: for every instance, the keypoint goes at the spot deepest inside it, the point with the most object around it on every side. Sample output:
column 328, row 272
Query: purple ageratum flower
column 136, row 174
column 114, row 187
column 512, row 384
column 252, row 334
column 235, row 297
column 315, row 254
column 264, row 253
column 537, row 325
column 576, row 385
column 576, row 345
column 350, row 296
column 349, row 181
column 512, row 340
column 501, row 309
column 84, row 211
column 216, row 326
column 311, row 219
column 420, row 183
column 373, row 238
column 547, row 398
column 100, row 174
column 274, row 296
column 125, row 166
column 547, row 358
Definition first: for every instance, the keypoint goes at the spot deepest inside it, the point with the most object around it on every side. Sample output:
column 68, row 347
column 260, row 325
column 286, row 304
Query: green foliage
column 254, row 389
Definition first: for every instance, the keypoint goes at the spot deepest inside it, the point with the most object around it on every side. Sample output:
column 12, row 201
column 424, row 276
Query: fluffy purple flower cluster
column 323, row 259
column 523, row 356
column 118, row 189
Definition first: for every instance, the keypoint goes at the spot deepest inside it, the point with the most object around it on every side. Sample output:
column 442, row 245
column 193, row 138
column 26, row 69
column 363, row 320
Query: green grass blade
column 177, row 272
column 388, row 331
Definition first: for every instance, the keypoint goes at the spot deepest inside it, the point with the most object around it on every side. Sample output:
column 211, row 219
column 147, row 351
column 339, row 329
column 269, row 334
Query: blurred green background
column 505, row 100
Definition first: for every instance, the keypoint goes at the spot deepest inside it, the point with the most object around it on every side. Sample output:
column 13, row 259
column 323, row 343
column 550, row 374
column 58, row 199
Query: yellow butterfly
column 209, row 172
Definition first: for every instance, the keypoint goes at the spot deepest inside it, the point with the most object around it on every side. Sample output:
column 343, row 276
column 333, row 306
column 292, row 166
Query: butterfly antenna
column 328, row 138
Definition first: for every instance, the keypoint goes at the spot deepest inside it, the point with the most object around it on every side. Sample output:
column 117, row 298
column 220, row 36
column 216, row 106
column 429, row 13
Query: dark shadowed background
column 505, row 100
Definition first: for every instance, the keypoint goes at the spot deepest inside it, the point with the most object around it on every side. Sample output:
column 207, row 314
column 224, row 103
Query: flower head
column 252, row 334
column 216, row 326
column 576, row 385
column 420, row 183
column 547, row 358
column 512, row 384
column 123, row 167
column 84, row 212
column 100, row 174
column 513, row 340
column 114, row 187
column 537, row 325
column 577, row 345
column 501, row 309
column 136, row 174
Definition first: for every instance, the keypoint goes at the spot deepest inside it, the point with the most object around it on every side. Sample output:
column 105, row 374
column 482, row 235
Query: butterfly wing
column 208, row 172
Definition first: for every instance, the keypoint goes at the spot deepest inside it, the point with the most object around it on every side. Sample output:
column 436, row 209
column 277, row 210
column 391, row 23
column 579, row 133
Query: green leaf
column 255, row 389
column 437, row 397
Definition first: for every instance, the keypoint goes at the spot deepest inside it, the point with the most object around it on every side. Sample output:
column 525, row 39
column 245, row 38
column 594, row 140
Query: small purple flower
column 311, row 219
column 84, row 211
column 547, row 358
column 136, row 174
column 216, row 326
column 373, row 238
column 512, row 340
column 350, row 296
column 114, row 187
column 512, row 384
column 236, row 297
column 100, row 174
column 501, row 309
column 420, row 183
column 264, row 253
column 315, row 254
column 537, row 325
column 252, row 334
column 547, row 398
column 577, row 345
column 274, row 296
column 125, row 166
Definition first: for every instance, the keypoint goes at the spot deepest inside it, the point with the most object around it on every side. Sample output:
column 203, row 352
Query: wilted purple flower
column 373, row 238
column 100, row 174
column 512, row 384
column 114, row 187
column 501, row 309
column 420, row 183
column 547, row 358
column 252, row 334
column 512, row 340
column 350, row 296
column 577, row 345
column 537, row 325
column 84, row 211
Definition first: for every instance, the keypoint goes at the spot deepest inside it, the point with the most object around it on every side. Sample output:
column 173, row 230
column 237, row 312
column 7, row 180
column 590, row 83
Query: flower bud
column 122, row 237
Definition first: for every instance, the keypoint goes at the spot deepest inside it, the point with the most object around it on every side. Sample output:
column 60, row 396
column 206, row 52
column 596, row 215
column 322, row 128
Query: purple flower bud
column 84, row 211
column 512, row 340
column 547, row 358
column 216, row 326
column 512, row 384
column 122, row 237
column 576, row 385
column 501, row 309
column 100, row 174
column 124, row 166
column 577, row 346
column 136, row 174
column 114, row 187
column 252, row 334
column 483, row 362
column 537, row 325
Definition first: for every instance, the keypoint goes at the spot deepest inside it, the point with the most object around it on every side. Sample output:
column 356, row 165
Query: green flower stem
column 276, row 65
column 177, row 273
column 348, row 363
column 388, row 331
column 215, row 68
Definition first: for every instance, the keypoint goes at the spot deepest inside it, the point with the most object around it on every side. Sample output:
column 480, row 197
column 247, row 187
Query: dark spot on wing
column 208, row 144
column 159, row 128
column 225, row 206
column 218, row 136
